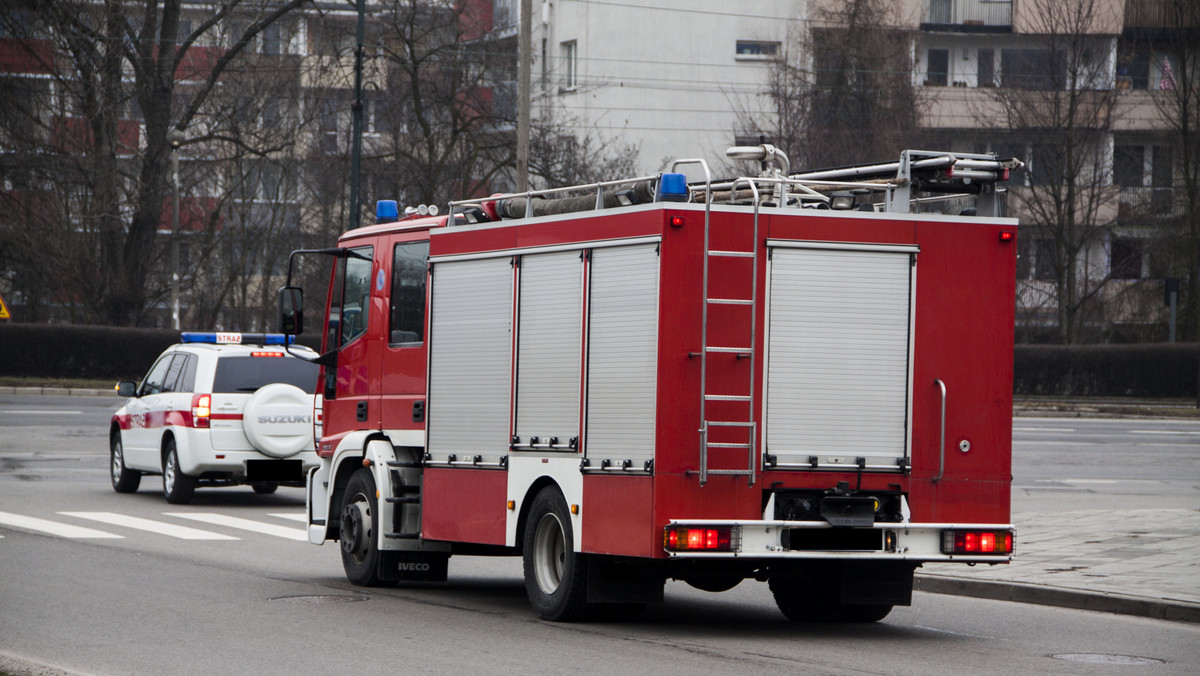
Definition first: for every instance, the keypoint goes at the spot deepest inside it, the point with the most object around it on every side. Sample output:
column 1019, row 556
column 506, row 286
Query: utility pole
column 356, row 114
column 524, row 65
column 175, row 138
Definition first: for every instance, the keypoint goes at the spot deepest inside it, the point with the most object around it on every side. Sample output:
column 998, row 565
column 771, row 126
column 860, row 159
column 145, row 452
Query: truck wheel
column 360, row 550
column 177, row 486
column 124, row 480
column 555, row 574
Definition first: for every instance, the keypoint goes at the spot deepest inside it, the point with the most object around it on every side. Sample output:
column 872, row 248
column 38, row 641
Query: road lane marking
column 1181, row 433
column 160, row 527
column 1078, row 481
column 1040, row 442
column 55, row 528
column 41, row 412
column 244, row 524
column 292, row 516
column 1043, row 429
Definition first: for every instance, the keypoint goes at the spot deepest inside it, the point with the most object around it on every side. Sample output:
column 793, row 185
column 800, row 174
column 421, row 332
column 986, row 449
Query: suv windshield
column 247, row 374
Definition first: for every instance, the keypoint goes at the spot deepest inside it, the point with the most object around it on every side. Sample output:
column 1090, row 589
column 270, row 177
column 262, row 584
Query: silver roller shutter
column 470, row 360
column 838, row 357
column 622, row 355
column 549, row 347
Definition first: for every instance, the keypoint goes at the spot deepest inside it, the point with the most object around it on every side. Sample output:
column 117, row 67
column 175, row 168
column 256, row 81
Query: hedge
column 100, row 352
column 94, row 352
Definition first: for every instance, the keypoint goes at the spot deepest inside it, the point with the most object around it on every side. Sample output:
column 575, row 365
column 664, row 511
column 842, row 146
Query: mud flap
column 413, row 566
column 615, row 579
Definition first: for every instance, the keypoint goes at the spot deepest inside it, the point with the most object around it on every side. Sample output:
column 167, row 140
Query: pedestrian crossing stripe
column 72, row 531
column 160, row 527
column 54, row 527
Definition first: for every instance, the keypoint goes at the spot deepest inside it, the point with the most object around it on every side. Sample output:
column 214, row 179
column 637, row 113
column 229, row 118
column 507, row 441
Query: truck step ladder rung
column 732, row 472
column 727, row 397
column 732, row 350
column 721, row 444
column 727, row 423
column 731, row 254
column 731, row 301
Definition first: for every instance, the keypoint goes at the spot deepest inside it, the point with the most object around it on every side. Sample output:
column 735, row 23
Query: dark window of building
column 987, row 68
column 1045, row 261
column 1032, row 69
column 939, row 67
column 760, row 48
column 1128, row 165
column 1127, row 254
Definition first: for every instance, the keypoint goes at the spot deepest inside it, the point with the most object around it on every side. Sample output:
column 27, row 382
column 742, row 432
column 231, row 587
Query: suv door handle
column 360, row 411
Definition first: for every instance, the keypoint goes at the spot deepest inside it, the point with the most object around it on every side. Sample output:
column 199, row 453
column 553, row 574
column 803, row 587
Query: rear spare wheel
column 278, row 420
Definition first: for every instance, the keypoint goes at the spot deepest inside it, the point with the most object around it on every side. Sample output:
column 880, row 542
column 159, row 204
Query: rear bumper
column 817, row 540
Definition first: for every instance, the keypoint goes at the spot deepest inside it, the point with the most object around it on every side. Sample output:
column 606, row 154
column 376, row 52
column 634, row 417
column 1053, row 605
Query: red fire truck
column 797, row 378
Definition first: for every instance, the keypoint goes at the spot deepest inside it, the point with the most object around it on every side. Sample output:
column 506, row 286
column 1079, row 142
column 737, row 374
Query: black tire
column 555, row 574
column 264, row 487
column 359, row 517
column 805, row 599
column 124, row 480
column 178, row 487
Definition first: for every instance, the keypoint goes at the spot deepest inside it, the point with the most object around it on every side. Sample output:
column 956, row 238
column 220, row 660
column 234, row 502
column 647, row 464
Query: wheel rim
column 169, row 472
column 549, row 553
column 118, row 461
column 357, row 528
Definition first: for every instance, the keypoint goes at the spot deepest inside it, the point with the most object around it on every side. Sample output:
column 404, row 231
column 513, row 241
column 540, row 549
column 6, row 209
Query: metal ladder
column 748, row 352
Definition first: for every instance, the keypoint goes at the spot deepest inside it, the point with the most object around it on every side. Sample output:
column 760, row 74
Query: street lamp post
column 175, row 137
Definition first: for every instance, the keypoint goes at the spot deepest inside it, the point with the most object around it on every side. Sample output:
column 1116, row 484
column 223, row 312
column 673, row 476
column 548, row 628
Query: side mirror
column 291, row 310
column 126, row 389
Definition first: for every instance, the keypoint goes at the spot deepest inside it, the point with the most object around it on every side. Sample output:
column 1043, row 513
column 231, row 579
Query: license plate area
column 275, row 470
column 832, row 540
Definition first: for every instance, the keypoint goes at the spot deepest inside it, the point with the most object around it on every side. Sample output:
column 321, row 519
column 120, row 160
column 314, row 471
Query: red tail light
column 977, row 542
column 266, row 354
column 694, row 539
column 201, row 410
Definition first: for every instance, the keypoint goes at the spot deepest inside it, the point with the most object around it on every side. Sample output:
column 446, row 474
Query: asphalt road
column 239, row 592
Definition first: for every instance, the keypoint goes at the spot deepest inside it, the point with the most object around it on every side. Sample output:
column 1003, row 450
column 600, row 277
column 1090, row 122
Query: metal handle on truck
column 942, row 443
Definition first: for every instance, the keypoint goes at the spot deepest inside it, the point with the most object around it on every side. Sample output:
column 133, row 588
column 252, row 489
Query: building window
column 1128, row 166
column 756, row 49
column 1126, row 259
column 939, row 68
column 986, row 74
column 1045, row 267
column 1032, row 69
column 569, row 64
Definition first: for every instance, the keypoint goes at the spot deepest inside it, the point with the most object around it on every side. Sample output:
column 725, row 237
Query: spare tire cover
column 278, row 420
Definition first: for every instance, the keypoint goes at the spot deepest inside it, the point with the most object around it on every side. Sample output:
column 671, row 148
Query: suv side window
column 153, row 382
column 351, row 303
column 171, row 382
column 408, row 293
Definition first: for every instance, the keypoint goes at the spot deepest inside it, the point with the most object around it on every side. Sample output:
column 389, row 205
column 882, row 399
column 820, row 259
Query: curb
column 1024, row 592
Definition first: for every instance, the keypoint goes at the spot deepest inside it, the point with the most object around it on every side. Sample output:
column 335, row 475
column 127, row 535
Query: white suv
column 217, row 409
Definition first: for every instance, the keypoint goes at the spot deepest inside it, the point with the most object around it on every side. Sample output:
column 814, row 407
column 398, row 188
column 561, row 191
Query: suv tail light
column 201, row 410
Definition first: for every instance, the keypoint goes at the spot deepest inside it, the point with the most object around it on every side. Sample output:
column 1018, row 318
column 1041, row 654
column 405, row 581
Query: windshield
column 247, row 374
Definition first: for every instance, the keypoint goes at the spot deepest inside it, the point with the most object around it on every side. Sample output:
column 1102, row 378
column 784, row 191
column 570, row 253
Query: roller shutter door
column 470, row 361
column 838, row 357
column 622, row 355
column 549, row 347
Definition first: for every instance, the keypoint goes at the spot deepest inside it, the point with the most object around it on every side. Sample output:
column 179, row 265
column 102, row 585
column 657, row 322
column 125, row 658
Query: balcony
column 1140, row 203
column 1161, row 14
column 967, row 16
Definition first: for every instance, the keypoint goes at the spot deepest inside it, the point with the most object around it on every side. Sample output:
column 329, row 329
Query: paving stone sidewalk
column 1139, row 562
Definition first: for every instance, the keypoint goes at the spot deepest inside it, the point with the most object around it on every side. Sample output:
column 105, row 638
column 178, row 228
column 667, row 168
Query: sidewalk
column 1135, row 562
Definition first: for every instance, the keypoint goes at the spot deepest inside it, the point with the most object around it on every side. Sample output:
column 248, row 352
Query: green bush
column 99, row 352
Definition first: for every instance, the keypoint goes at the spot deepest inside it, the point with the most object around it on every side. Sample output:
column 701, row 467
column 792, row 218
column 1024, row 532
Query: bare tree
column 1177, row 100
column 842, row 90
column 114, row 65
column 1059, row 105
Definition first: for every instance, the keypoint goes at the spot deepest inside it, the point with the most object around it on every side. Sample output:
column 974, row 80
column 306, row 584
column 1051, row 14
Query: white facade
column 669, row 76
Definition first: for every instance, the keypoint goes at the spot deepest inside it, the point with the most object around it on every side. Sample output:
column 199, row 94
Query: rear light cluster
column 201, row 410
column 998, row 542
column 701, row 539
column 266, row 354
